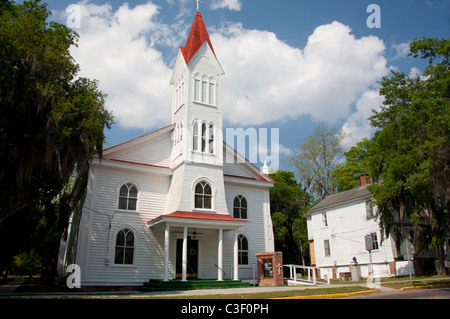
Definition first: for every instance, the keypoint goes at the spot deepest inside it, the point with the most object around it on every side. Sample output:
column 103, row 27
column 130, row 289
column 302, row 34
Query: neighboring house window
column 369, row 210
column 240, row 207
column 374, row 241
column 242, row 250
column 324, row 220
column 128, row 196
column 203, row 195
column 326, row 244
column 124, row 252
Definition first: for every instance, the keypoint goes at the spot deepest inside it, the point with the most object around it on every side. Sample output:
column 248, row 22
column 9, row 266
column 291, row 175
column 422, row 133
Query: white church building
column 177, row 202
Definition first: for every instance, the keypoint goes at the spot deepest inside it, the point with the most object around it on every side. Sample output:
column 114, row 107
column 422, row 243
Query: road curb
column 425, row 287
column 349, row 294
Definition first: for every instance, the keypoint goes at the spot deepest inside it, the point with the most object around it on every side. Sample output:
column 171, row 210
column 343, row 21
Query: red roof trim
column 134, row 163
column 137, row 138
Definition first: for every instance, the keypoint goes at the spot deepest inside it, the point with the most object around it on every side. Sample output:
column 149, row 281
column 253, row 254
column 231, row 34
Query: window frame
column 242, row 251
column 126, row 248
column 127, row 197
column 203, row 196
column 326, row 248
column 240, row 197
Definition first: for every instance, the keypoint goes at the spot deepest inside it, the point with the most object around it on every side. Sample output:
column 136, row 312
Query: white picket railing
column 308, row 270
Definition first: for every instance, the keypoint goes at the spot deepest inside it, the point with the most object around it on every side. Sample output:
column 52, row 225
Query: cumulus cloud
column 268, row 80
column 226, row 4
column 117, row 48
column 357, row 126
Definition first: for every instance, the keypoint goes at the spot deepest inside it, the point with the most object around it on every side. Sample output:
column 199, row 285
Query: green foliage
column 347, row 176
column 410, row 154
column 288, row 204
column 51, row 122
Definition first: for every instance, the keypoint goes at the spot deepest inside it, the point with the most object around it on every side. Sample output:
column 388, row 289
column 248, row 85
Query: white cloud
column 226, row 4
column 117, row 48
column 268, row 80
column 357, row 125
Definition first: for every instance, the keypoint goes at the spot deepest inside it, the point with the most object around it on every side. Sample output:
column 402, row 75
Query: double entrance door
column 192, row 259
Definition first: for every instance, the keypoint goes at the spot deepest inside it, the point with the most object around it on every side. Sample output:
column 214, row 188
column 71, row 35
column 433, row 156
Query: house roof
column 339, row 199
column 197, row 36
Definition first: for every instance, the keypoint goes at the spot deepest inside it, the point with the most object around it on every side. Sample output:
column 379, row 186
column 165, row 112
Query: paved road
column 435, row 293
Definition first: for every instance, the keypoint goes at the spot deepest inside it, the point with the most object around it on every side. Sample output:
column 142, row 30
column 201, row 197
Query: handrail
column 218, row 267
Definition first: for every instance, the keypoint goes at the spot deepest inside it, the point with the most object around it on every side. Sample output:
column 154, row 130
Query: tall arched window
column 212, row 92
column 211, row 139
column 240, row 207
column 242, row 250
column 124, row 250
column 128, row 196
column 203, row 195
column 195, row 136
column 203, row 137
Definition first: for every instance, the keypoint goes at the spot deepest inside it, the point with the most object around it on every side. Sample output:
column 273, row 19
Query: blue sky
column 289, row 64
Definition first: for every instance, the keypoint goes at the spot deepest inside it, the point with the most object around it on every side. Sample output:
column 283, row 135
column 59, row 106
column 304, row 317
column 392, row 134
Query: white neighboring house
column 337, row 227
column 175, row 203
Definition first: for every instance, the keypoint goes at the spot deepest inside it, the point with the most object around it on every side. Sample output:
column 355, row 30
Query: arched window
column 203, row 195
column 242, row 250
column 240, row 207
column 197, row 88
column 203, row 137
column 212, row 92
column 211, row 138
column 124, row 251
column 204, row 89
column 195, row 136
column 128, row 196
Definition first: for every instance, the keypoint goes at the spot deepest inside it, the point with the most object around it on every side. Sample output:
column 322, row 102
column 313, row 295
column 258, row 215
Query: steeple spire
column 197, row 36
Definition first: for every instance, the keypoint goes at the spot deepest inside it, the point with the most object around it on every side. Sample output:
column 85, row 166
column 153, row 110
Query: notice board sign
column 268, row 268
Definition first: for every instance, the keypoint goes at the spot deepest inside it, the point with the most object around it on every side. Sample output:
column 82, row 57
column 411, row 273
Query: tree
column 410, row 154
column 288, row 204
column 51, row 121
column 316, row 158
column 347, row 176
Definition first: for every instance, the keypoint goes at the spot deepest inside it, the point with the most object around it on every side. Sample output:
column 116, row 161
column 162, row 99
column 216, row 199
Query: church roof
column 197, row 36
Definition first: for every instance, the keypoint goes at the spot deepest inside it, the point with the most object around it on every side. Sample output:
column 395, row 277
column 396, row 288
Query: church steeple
column 197, row 99
column 197, row 36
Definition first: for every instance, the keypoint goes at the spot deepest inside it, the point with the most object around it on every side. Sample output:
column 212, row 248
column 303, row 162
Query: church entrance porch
column 216, row 244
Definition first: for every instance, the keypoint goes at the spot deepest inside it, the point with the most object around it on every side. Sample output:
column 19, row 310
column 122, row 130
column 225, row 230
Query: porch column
column 235, row 261
column 220, row 256
column 166, row 254
column 183, row 276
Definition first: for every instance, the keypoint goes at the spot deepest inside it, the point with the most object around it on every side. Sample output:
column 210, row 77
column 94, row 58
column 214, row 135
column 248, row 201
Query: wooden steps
column 176, row 284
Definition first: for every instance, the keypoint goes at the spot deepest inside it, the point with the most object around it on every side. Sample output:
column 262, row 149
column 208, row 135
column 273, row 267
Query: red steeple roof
column 197, row 36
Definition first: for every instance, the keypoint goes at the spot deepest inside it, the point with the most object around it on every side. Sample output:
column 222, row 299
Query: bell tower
column 197, row 99
column 197, row 151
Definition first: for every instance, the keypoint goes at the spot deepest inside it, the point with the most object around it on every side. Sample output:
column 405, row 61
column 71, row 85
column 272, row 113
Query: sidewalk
column 11, row 287
column 169, row 294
